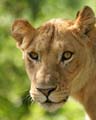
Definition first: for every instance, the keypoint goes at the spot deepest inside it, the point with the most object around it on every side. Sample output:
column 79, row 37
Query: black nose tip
column 46, row 91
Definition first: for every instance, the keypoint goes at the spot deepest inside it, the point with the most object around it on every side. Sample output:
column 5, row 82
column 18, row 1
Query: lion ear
column 23, row 32
column 85, row 19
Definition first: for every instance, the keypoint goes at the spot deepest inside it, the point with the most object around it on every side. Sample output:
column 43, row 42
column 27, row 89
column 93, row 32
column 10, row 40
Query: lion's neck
column 87, row 97
column 87, row 94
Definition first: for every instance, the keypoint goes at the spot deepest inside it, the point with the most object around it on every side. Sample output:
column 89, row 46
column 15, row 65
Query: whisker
column 26, row 98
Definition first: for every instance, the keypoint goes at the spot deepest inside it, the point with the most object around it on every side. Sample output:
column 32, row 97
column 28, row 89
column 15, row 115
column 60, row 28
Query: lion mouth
column 51, row 106
column 49, row 102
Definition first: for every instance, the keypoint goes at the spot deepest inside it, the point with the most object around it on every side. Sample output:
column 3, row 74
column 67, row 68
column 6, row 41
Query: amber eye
column 33, row 55
column 66, row 56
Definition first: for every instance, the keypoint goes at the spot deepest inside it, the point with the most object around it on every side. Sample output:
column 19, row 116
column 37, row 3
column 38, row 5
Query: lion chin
column 52, row 107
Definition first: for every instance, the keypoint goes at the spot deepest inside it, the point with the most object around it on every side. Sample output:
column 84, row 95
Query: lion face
column 57, row 59
column 52, row 62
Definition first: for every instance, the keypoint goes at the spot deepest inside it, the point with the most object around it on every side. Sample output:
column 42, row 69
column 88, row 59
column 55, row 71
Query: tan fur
column 74, row 77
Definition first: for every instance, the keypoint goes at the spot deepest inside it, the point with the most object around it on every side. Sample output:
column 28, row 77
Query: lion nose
column 46, row 91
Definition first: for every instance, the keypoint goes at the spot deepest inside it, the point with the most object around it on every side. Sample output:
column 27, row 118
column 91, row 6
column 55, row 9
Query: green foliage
column 14, row 83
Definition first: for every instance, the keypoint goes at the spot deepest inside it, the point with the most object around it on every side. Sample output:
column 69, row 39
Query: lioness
column 60, row 59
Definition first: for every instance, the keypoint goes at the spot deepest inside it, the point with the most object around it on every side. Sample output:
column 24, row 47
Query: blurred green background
column 14, row 83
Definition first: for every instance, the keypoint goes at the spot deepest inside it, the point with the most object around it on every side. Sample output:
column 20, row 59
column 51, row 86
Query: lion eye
column 66, row 55
column 33, row 55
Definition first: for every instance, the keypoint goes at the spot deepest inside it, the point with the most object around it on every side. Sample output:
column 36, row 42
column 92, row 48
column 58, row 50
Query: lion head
column 57, row 56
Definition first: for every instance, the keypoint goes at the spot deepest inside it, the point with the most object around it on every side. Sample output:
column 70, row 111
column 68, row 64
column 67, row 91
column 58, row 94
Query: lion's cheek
column 73, row 70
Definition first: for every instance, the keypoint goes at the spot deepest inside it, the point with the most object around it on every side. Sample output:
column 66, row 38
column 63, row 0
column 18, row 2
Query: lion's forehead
column 52, row 35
